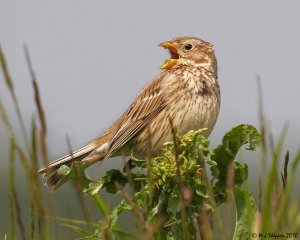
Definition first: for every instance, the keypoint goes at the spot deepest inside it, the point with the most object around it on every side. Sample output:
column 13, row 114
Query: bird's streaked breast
column 193, row 102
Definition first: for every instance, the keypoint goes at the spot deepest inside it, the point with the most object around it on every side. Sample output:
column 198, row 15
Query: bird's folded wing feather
column 148, row 104
column 76, row 155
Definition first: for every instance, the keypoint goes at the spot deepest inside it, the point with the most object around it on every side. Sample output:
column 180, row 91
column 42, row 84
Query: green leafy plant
column 176, row 193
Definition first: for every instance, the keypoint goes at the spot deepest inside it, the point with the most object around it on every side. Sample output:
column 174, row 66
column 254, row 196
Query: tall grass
column 164, row 201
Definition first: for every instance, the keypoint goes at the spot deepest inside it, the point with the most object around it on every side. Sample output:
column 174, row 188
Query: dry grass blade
column 78, row 185
column 37, row 97
column 5, row 71
column 37, row 206
column 4, row 116
column 29, row 167
column 15, row 209
column 10, row 86
column 260, row 194
column 11, row 189
column 257, row 221
column 284, row 175
column 263, row 125
column 40, row 109
column 19, row 215
column 282, row 209
column 272, row 181
column 24, row 162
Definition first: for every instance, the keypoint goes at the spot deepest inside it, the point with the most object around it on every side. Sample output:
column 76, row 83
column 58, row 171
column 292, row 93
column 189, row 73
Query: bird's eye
column 188, row 47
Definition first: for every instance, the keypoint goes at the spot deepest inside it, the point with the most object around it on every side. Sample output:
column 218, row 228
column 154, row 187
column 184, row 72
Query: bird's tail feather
column 55, row 180
column 89, row 154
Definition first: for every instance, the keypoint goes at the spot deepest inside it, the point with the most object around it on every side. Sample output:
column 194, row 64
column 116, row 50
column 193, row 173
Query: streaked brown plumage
column 187, row 92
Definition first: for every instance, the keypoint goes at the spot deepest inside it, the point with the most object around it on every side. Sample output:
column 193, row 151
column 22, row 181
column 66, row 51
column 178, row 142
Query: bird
column 186, row 94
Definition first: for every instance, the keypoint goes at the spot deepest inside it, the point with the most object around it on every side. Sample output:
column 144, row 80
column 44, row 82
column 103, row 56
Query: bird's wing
column 146, row 106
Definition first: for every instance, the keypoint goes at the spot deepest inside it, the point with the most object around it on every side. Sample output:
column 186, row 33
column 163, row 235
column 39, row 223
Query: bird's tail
column 88, row 154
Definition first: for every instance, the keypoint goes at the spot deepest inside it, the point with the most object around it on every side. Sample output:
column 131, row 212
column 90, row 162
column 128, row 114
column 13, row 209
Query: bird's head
column 192, row 49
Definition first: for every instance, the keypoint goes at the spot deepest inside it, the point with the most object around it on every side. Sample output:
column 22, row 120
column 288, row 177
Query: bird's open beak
column 169, row 63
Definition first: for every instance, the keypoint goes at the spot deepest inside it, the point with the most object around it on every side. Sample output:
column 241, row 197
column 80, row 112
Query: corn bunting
column 186, row 92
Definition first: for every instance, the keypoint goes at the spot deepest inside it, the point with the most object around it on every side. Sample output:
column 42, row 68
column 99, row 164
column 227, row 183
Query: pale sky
column 92, row 58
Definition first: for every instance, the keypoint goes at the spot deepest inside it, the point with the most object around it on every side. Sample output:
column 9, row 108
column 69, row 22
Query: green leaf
column 109, row 180
column 174, row 203
column 225, row 154
column 64, row 170
column 121, row 207
column 241, row 173
column 243, row 134
column 245, row 210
